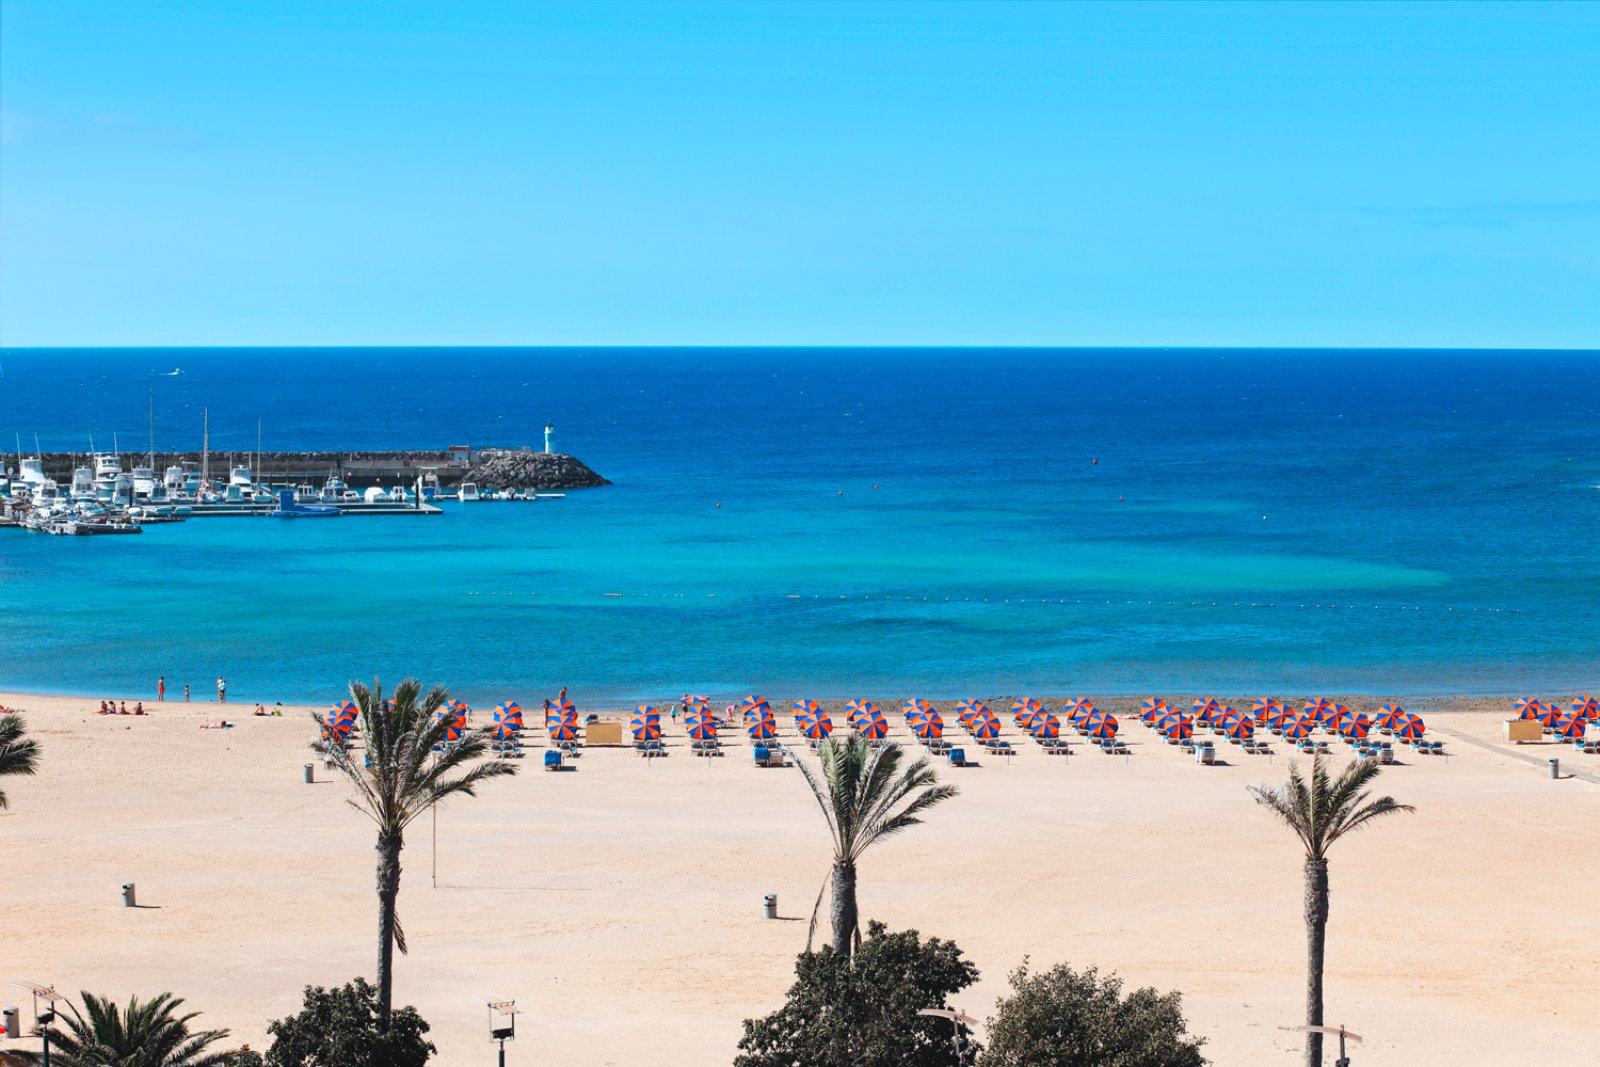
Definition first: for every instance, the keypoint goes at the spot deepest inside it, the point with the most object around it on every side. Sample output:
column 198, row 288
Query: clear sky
column 520, row 173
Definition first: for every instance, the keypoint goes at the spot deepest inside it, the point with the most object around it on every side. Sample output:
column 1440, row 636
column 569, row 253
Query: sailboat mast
column 256, row 477
column 205, row 448
column 152, row 430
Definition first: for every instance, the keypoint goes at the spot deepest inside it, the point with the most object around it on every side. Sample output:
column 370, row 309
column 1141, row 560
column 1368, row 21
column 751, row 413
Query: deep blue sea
column 840, row 522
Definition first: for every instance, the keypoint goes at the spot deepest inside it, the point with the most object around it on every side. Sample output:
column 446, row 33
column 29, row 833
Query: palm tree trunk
column 389, row 846
column 1316, row 935
column 843, row 910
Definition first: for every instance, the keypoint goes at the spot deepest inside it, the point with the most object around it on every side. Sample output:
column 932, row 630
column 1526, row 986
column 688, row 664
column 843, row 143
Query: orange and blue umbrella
column 504, row 731
column 701, row 725
column 646, row 724
column 565, row 708
column 1203, row 707
column 929, row 726
column 507, row 715
column 917, row 707
column 1527, row 708
column 1300, row 728
column 1178, row 726
column 1338, row 718
column 968, row 708
column 701, row 702
column 985, row 726
column 456, row 711
column 1264, row 707
column 345, row 712
column 1356, row 727
column 754, row 703
column 1548, row 714
column 859, row 708
column 1151, row 709
column 1389, row 716
column 1281, row 718
column 1570, row 726
column 1077, row 704
column 1224, row 717
column 1409, row 727
column 760, row 725
column 1172, row 716
column 1045, row 725
column 806, row 707
column 1587, row 706
column 815, row 727
column 1240, row 728
column 453, row 728
column 1101, row 724
column 1025, row 706
column 561, row 729
column 871, row 724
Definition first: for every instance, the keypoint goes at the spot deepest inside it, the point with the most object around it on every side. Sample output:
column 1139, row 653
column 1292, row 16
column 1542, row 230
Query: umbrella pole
column 435, row 845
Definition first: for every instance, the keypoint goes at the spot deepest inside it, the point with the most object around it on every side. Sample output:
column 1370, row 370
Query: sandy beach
column 620, row 904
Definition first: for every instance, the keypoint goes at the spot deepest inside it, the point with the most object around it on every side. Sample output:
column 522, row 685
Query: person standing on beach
column 186, row 692
column 161, row 688
column 222, row 690
column 561, row 697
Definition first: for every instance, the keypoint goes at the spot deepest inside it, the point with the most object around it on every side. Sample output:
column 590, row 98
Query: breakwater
column 490, row 468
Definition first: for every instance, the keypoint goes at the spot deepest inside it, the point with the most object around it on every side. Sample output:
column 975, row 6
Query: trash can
column 1555, row 769
column 309, row 778
column 11, row 1022
column 769, row 906
column 127, row 895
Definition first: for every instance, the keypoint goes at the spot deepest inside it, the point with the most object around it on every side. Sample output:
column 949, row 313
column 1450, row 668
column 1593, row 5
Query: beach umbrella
column 815, row 728
column 1527, row 708
column 646, row 724
column 564, row 708
column 1547, row 715
column 1571, row 727
column 454, row 728
column 807, row 707
column 1264, row 708
column 1170, row 717
column 1587, row 706
column 929, row 726
column 985, row 726
column 1409, row 727
column 346, row 711
column 1224, row 717
column 508, row 716
column 1178, row 726
column 701, row 726
column 504, row 731
column 1300, row 728
column 968, row 708
column 701, row 702
column 858, row 708
column 1025, row 706
column 1045, row 725
column 917, row 707
column 760, row 725
column 1338, row 716
column 1389, row 716
column 1240, row 728
column 1356, row 727
column 872, row 725
column 1101, row 724
column 561, row 729
column 1281, row 718
column 455, row 711
column 1151, row 709
column 754, row 703
column 1083, row 704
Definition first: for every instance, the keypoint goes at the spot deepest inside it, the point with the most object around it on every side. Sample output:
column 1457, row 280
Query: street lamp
column 502, row 1024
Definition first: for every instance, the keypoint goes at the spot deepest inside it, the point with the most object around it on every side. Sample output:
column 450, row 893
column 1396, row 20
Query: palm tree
column 145, row 1034
column 401, row 777
column 859, row 791
column 17, row 755
column 1320, row 812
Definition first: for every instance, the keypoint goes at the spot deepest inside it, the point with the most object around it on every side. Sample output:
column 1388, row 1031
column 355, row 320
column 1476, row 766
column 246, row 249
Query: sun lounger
column 997, row 746
column 1205, row 753
column 770, row 756
column 708, row 747
column 552, row 760
column 650, row 749
column 958, row 757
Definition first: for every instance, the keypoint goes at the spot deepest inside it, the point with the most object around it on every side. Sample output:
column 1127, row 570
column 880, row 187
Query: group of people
column 222, row 689
column 112, row 707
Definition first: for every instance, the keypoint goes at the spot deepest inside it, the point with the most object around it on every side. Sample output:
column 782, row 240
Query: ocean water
column 840, row 522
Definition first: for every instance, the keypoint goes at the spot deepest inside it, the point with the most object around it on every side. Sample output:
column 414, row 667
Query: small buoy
column 1119, row 498
column 1095, row 461
column 841, row 492
column 874, row 487
column 719, row 505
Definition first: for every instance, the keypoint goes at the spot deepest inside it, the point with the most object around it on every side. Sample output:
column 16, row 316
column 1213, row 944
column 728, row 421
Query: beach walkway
column 1540, row 761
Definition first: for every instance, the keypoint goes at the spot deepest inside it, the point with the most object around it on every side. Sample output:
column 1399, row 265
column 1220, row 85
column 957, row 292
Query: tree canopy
column 342, row 1028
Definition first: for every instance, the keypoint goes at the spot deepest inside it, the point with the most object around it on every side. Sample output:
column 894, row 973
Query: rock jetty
column 535, row 470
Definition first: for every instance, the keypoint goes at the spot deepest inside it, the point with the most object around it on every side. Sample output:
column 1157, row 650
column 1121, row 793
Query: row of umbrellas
column 1275, row 716
column 1572, row 724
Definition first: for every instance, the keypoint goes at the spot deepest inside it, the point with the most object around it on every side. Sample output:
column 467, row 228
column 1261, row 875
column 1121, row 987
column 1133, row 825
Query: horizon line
column 807, row 347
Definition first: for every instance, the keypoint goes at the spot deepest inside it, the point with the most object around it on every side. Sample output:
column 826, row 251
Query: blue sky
column 522, row 173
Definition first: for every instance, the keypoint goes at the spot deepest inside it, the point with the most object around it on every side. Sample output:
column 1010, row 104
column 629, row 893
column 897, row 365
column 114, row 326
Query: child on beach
column 186, row 692
column 222, row 690
column 161, row 688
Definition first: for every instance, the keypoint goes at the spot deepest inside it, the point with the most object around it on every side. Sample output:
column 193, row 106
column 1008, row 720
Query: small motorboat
column 288, row 508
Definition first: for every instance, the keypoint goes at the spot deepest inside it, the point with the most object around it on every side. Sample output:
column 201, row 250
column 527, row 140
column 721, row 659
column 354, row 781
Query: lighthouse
column 549, row 437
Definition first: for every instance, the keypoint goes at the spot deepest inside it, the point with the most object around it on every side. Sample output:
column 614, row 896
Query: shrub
column 864, row 1014
column 1064, row 1018
column 340, row 1028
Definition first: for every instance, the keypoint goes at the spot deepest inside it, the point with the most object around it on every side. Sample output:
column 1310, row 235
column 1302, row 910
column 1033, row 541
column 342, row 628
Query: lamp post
column 956, row 1017
column 44, row 1032
column 502, row 1030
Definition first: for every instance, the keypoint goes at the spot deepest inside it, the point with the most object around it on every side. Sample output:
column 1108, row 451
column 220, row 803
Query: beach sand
column 620, row 904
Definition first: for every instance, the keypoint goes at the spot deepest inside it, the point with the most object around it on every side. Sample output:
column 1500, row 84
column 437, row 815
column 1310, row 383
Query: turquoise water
column 932, row 522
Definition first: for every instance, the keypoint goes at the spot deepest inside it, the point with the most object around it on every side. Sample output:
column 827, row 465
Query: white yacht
column 82, row 483
column 106, row 468
column 144, row 482
column 469, row 491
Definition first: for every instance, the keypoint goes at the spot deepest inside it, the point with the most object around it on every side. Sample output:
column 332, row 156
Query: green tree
column 341, row 1028
column 147, row 1033
column 865, row 797
column 863, row 1012
column 18, row 754
column 1064, row 1018
column 1320, row 811
column 399, row 777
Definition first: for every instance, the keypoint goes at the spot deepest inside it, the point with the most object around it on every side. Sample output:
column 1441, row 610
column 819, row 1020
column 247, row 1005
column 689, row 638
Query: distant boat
column 174, row 372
